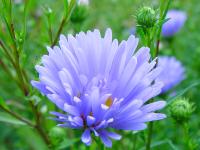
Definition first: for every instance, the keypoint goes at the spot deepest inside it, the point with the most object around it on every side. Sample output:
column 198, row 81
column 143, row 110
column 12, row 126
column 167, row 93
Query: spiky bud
column 146, row 17
column 181, row 109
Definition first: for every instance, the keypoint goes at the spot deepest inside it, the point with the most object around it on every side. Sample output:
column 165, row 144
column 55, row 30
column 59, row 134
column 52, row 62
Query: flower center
column 109, row 101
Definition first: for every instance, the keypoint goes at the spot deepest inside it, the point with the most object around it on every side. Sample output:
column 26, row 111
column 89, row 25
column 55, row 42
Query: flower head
column 172, row 73
column 181, row 109
column 175, row 23
column 146, row 17
column 100, row 84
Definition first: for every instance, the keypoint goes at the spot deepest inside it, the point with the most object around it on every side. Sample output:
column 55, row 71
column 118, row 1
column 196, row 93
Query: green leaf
column 155, row 144
column 159, row 143
column 4, row 117
column 67, row 143
column 3, row 103
column 172, row 145
column 66, row 5
column 171, row 99
column 36, row 144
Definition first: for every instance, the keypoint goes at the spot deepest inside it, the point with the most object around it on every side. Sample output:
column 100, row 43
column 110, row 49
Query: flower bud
column 57, row 134
column 146, row 17
column 79, row 14
column 181, row 109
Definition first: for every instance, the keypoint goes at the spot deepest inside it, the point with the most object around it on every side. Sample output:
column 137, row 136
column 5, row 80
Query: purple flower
column 176, row 22
column 100, row 84
column 172, row 73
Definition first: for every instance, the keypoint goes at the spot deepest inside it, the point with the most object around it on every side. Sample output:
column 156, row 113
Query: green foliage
column 36, row 24
column 4, row 117
column 146, row 17
column 181, row 109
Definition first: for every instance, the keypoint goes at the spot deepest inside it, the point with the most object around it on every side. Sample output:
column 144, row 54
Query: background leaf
column 4, row 117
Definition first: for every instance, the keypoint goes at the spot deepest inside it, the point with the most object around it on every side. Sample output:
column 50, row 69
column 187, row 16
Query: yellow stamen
column 109, row 101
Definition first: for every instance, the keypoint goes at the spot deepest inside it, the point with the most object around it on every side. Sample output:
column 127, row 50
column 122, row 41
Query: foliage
column 27, row 27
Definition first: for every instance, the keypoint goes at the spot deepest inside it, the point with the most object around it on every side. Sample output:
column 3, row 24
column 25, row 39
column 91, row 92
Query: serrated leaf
column 4, row 117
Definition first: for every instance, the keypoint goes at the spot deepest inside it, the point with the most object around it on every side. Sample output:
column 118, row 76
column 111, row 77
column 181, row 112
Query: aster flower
column 175, row 23
column 172, row 73
column 100, row 84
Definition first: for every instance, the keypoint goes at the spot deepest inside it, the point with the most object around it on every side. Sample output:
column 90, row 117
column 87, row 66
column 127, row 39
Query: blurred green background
column 119, row 16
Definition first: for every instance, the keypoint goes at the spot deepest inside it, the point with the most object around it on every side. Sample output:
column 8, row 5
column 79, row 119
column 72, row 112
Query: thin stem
column 26, row 121
column 162, row 17
column 148, row 37
column 17, row 63
column 17, row 116
column 23, row 80
column 149, row 136
column 134, row 141
column 8, row 55
column 186, row 134
column 50, row 31
column 163, row 13
column 64, row 20
column 38, row 125
column 5, row 68
column 157, row 51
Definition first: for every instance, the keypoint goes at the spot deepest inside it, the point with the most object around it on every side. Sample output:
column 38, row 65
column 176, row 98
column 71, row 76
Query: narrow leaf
column 3, row 103
column 171, row 99
column 4, row 117
column 67, row 143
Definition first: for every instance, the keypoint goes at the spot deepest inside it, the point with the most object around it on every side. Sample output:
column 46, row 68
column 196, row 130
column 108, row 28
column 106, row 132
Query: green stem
column 149, row 136
column 163, row 12
column 6, row 70
column 9, row 57
column 148, row 38
column 186, row 134
column 50, row 30
column 17, row 116
column 64, row 20
column 134, row 141
column 162, row 17
column 7, row 53
column 23, row 80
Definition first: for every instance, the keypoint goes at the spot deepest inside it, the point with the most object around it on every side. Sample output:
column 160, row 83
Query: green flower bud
column 146, row 17
column 79, row 14
column 181, row 109
column 57, row 135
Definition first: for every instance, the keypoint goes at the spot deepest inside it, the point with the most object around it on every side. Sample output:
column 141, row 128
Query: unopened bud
column 146, row 17
column 181, row 109
column 79, row 14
